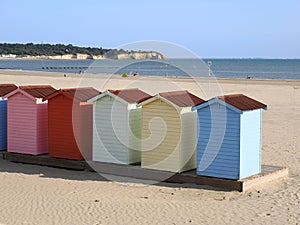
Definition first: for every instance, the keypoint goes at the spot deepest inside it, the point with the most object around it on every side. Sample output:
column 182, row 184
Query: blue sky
column 209, row 28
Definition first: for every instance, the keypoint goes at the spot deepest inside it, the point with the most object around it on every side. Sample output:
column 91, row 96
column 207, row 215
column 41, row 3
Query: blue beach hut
column 4, row 89
column 229, row 137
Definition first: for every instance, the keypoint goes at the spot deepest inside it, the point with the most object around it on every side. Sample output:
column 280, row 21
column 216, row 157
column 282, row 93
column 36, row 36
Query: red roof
column 132, row 95
column 38, row 91
column 7, row 88
column 242, row 102
column 182, row 98
column 81, row 94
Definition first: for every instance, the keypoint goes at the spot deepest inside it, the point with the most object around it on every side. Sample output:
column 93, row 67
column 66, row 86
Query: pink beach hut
column 27, row 120
column 4, row 90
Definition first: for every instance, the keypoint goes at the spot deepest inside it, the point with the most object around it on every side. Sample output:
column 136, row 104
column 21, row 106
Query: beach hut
column 70, row 123
column 4, row 90
column 229, row 137
column 28, row 119
column 169, row 131
column 117, row 126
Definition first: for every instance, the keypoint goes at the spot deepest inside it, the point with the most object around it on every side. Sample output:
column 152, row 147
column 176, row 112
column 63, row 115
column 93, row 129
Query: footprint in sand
column 264, row 214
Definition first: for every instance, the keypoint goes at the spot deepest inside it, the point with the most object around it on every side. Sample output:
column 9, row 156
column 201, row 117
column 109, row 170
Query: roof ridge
column 126, row 89
column 79, row 88
column 8, row 85
column 34, row 86
column 173, row 92
column 232, row 95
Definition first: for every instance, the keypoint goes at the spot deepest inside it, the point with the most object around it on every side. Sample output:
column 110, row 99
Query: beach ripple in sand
column 46, row 199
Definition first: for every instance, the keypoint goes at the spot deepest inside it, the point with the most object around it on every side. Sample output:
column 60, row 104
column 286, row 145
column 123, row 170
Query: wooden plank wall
column 218, row 148
column 61, row 143
column 3, row 124
column 22, row 123
column 110, row 131
column 157, row 153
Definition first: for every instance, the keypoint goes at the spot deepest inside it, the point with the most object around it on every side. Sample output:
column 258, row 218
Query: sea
column 283, row 69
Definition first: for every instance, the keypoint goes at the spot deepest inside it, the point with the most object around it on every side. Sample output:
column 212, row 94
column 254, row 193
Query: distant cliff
column 60, row 51
column 134, row 55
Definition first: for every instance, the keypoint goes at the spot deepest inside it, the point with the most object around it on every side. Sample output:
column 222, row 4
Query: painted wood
column 3, row 124
column 251, row 133
column 70, row 128
column 229, row 141
column 42, row 128
column 135, row 134
column 188, row 141
column 169, row 137
column 27, row 125
column 116, row 131
column 86, row 130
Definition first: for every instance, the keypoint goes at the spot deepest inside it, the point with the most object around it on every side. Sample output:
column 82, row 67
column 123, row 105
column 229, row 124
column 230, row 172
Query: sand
column 41, row 195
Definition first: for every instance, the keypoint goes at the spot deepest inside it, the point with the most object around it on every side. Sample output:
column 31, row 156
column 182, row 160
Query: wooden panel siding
column 166, row 155
column 62, row 143
column 22, row 124
column 110, row 136
column 70, row 128
column 234, row 152
column 135, row 134
column 188, row 141
column 3, row 124
column 250, row 143
column 221, row 158
column 27, row 119
column 42, row 127
column 86, row 130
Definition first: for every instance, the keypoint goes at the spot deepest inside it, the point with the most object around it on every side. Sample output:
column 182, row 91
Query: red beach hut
column 70, row 123
column 27, row 119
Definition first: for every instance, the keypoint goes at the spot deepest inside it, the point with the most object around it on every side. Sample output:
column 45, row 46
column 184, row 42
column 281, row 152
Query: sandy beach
column 42, row 195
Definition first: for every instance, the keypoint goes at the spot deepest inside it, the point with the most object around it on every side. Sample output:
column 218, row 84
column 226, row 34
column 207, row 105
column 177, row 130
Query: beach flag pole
column 209, row 63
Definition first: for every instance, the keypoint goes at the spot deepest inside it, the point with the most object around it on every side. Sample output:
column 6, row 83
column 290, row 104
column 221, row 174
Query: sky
column 207, row 28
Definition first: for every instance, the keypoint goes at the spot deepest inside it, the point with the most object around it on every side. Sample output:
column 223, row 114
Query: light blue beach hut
column 4, row 89
column 229, row 137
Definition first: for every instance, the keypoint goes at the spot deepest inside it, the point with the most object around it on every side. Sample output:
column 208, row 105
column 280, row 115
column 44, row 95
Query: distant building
column 9, row 56
column 65, row 56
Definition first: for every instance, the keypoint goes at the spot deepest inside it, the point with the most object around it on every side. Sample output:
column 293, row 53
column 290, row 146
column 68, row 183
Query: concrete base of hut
column 269, row 173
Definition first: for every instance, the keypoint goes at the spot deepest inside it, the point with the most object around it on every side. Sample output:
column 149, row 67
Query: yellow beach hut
column 169, row 131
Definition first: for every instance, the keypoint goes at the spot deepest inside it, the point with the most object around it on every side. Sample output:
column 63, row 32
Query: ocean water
column 223, row 68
